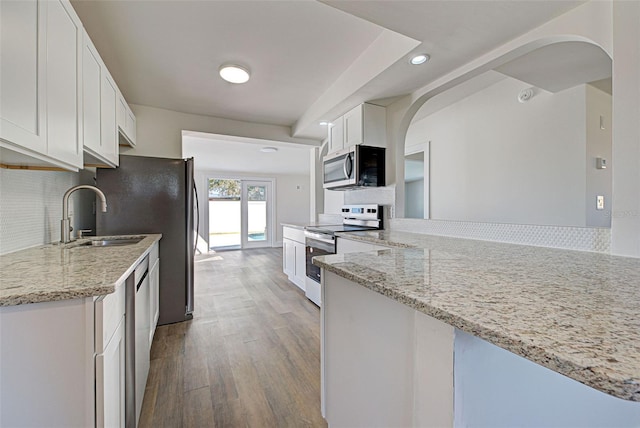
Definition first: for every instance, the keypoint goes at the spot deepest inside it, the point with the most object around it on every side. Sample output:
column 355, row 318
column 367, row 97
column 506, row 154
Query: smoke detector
column 525, row 95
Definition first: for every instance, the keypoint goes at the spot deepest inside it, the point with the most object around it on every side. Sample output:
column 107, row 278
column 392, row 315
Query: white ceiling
column 221, row 153
column 309, row 60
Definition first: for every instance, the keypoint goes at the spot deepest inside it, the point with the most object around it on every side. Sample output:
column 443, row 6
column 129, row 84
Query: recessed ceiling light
column 234, row 73
column 324, row 123
column 419, row 59
column 268, row 150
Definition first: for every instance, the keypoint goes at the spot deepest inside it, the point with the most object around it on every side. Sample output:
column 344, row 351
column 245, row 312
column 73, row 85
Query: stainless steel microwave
column 354, row 167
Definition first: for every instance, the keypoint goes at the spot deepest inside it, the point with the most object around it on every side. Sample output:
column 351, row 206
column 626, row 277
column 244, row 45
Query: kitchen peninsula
column 409, row 334
column 76, row 323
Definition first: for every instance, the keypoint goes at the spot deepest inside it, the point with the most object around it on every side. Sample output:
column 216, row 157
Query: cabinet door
column 64, row 50
column 108, row 126
column 110, row 382
column 301, row 265
column 131, row 127
column 336, row 135
column 22, row 74
column 353, row 133
column 121, row 113
column 289, row 257
column 91, row 85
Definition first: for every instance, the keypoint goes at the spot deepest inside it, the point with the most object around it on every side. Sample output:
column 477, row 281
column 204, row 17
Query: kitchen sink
column 116, row 242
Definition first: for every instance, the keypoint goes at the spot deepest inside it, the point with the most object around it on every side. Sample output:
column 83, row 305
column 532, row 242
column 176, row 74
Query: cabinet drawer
column 293, row 234
column 109, row 310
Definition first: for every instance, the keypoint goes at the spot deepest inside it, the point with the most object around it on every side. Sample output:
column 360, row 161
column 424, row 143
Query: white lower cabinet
column 385, row 364
column 293, row 256
column 47, row 373
column 63, row 363
column 110, row 359
column 301, row 265
column 288, row 258
column 110, row 378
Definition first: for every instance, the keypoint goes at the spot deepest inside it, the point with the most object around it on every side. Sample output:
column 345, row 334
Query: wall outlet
column 599, row 202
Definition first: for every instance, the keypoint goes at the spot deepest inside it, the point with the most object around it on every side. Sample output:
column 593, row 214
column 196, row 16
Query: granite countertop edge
column 293, row 225
column 623, row 387
column 68, row 272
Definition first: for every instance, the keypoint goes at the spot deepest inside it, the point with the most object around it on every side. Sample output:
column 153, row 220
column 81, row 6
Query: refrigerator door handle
column 197, row 230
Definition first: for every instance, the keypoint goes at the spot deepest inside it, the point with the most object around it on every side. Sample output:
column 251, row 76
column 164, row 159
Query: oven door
column 317, row 244
column 339, row 169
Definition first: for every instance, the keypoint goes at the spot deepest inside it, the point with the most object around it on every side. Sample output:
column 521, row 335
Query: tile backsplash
column 31, row 207
column 571, row 238
column 371, row 195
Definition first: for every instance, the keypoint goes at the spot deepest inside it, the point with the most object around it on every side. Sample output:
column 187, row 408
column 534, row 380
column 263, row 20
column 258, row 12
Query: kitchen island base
column 386, row 364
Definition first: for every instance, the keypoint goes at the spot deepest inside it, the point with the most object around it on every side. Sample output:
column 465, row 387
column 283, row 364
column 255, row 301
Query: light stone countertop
column 310, row 224
column 58, row 272
column 293, row 225
column 577, row 313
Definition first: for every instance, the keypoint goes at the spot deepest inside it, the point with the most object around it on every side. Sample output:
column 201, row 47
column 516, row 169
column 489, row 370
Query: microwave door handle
column 347, row 166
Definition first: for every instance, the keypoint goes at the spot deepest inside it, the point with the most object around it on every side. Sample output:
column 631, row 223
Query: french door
column 256, row 219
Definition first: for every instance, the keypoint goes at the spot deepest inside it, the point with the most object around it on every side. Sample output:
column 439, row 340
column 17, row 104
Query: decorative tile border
column 570, row 238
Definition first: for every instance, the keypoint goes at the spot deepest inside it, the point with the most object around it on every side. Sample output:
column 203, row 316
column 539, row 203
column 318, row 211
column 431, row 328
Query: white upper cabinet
column 108, row 126
column 64, row 72
column 365, row 124
column 99, row 105
column 58, row 102
column 40, row 76
column 126, row 123
column 22, row 77
column 353, row 132
column 91, row 72
column 336, row 135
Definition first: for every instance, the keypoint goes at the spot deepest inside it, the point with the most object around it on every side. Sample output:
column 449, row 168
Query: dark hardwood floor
column 249, row 358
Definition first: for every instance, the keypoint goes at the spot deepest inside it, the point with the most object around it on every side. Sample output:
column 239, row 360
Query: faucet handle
column 81, row 232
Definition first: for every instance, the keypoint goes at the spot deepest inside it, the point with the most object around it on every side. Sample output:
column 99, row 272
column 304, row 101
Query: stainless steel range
column 321, row 240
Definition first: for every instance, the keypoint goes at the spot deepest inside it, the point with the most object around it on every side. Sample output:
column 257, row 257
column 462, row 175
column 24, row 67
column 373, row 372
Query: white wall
column 159, row 131
column 598, row 145
column 31, row 207
column 494, row 159
column 291, row 202
column 615, row 27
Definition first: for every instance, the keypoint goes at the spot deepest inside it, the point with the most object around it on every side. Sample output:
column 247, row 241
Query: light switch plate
column 599, row 202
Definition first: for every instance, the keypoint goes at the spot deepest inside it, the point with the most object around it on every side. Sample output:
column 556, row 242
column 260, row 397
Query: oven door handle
column 320, row 237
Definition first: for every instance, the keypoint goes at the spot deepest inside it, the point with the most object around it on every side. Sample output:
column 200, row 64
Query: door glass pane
column 224, row 213
column 256, row 213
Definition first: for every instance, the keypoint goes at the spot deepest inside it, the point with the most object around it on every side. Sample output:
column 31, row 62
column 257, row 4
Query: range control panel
column 362, row 213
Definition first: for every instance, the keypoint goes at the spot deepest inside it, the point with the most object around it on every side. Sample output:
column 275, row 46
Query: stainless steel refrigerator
column 156, row 195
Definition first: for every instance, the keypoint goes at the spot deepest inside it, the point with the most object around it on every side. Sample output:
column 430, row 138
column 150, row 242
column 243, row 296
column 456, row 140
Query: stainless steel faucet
column 65, row 223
